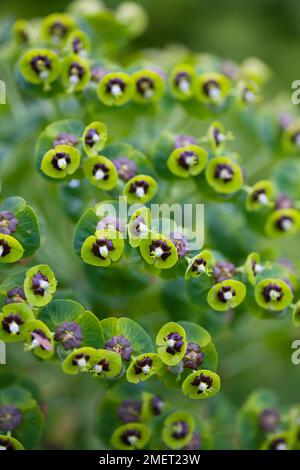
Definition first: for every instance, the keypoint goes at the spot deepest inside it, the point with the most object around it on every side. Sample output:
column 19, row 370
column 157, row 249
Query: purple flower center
column 284, row 223
column 15, row 295
column 102, row 366
column 5, row 249
column 145, row 86
column 174, row 343
column 199, row 265
column 11, row 323
column 203, row 382
column 193, row 357
column 218, row 136
column 6, row 443
column 70, row 334
column 40, row 283
column 60, row 160
column 143, row 366
column 187, row 159
column 129, row 411
column 77, row 45
column 41, row 63
column 115, row 86
column 269, row 420
column 160, row 249
column 211, row 87
column 80, row 360
column 180, row 242
column 110, row 222
column 224, row 172
column 130, row 437
column 182, row 77
column 58, row 29
column 120, row 345
column 126, row 168
column 195, row 442
column 223, row 270
column 278, row 444
column 225, row 294
column 8, row 222
column 157, row 405
column 76, row 70
column 65, row 139
column 101, row 172
column 272, row 292
column 140, row 187
column 91, row 137
column 10, row 417
column 102, row 247
column 180, row 429
column 184, row 141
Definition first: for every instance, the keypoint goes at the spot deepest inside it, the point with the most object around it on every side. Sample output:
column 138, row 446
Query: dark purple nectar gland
column 58, row 29
column 180, row 242
column 41, row 65
column 70, row 334
column 269, row 420
column 60, row 161
column 283, row 202
column 130, row 437
column 187, row 159
column 180, row 429
column 218, row 136
column 278, row 444
column 193, row 357
column 102, row 247
column 223, row 270
column 6, row 444
column 225, row 294
column 120, row 345
column 11, row 324
column 140, row 188
column 203, row 382
column 101, row 366
column 10, row 417
column 40, row 283
column 157, row 405
column 195, row 442
column 212, row 89
column 81, row 360
column 115, row 87
column 256, row 267
column 40, row 339
column 199, row 266
column 129, row 411
column 296, row 138
column 92, row 137
column 183, row 82
column 126, row 168
column 5, row 249
column 97, row 73
column 15, row 295
column 284, row 223
column 143, row 366
column 139, row 226
column 272, row 292
column 76, row 72
column 184, row 141
column 174, row 343
column 224, row 172
column 145, row 87
column 248, row 95
column 77, row 45
column 8, row 222
column 65, row 139
column 260, row 196
column 101, row 172
column 160, row 249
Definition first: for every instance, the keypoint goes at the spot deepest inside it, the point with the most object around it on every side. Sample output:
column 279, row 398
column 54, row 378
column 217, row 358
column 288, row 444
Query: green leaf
column 59, row 311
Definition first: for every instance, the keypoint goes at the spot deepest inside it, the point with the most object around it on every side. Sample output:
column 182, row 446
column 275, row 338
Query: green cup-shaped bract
column 143, row 367
column 178, row 429
column 80, row 360
column 104, row 247
column 40, row 66
column 57, row 27
column 139, row 226
column 75, row 73
column 21, row 31
column 149, row 86
column 182, row 81
column 212, row 88
column 252, row 267
column 78, row 43
column 199, row 264
column 40, row 285
column 130, row 436
column 171, row 343
column 261, row 195
column 115, row 89
column 187, row 161
column 13, row 319
column 217, row 136
column 278, row 441
column 38, row 338
column 10, row 249
column 159, row 251
column 283, row 222
column 226, row 295
column 291, row 138
column 140, row 189
column 201, row 384
column 94, row 138
column 247, row 93
column 101, row 172
column 9, row 443
column 224, row 175
column 60, row 162
column 273, row 294
column 106, row 364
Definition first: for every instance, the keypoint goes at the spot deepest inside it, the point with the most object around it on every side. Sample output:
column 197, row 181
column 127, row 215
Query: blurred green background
column 253, row 353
